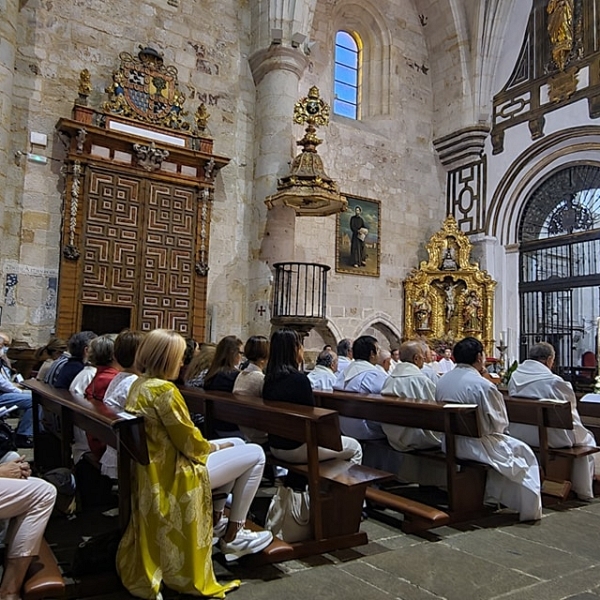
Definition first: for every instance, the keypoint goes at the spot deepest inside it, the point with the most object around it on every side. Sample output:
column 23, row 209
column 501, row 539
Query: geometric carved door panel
column 167, row 264
column 139, row 239
column 111, row 231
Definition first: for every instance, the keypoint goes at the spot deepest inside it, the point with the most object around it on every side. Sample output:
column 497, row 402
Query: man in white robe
column 323, row 376
column 344, row 352
column 430, row 367
column 514, row 479
column 363, row 376
column 446, row 364
column 407, row 380
column 534, row 379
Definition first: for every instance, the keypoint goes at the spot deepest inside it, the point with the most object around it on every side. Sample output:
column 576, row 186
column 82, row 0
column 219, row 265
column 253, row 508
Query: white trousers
column 28, row 504
column 237, row 470
column 351, row 450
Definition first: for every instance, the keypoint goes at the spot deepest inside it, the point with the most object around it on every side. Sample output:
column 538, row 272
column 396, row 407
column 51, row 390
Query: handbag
column 288, row 516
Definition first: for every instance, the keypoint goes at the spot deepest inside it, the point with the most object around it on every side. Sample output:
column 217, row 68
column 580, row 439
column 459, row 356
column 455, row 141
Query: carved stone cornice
column 462, row 147
column 275, row 58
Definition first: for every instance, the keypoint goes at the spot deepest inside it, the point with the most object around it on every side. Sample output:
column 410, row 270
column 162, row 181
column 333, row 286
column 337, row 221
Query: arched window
column 346, row 75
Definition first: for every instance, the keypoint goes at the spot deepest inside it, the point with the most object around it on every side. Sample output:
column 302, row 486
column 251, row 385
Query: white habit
column 445, row 365
column 321, row 378
column 364, row 378
column 408, row 381
column 514, row 480
column 532, row 379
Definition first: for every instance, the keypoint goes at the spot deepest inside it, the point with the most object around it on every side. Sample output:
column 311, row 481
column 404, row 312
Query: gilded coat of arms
column 145, row 89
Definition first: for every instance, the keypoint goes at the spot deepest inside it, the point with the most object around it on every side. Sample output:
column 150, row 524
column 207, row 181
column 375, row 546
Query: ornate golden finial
column 560, row 30
column 312, row 109
column 85, row 87
column 201, row 117
column 307, row 188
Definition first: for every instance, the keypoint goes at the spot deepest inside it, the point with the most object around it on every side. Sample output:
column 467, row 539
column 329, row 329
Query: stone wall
column 387, row 157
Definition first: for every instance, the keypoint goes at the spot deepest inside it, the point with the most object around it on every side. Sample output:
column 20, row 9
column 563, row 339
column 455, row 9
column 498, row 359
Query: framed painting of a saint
column 357, row 239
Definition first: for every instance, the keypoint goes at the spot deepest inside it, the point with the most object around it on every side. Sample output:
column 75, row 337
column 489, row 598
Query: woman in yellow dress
column 173, row 522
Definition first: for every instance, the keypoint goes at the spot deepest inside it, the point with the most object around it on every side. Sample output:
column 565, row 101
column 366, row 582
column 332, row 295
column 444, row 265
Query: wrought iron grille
column 300, row 290
column 559, row 280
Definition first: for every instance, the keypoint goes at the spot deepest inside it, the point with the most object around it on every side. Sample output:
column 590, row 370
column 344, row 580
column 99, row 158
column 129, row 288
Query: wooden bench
column 556, row 463
column 336, row 488
column 465, row 479
column 122, row 431
column 590, row 416
column 43, row 579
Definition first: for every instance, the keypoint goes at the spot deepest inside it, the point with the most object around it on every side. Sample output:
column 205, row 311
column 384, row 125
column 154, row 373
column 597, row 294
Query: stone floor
column 555, row 559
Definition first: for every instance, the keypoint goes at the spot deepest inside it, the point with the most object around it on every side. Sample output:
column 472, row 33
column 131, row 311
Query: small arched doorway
column 559, row 269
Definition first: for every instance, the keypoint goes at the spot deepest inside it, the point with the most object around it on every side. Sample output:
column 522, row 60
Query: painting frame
column 348, row 257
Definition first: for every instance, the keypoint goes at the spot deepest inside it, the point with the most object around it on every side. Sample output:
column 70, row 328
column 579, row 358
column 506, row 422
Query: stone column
column 276, row 71
column 9, row 10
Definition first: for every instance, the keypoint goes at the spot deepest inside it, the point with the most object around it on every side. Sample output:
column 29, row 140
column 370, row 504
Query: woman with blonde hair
column 170, row 533
column 198, row 367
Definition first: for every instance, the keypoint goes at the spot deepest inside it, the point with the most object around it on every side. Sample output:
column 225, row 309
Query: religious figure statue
column 450, row 290
column 422, row 312
column 448, row 260
column 357, row 243
column 560, row 30
column 472, row 312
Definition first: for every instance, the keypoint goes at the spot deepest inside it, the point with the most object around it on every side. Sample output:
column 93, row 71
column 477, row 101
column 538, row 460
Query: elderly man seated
column 408, row 380
column 13, row 395
column 514, row 479
column 534, row 379
column 322, row 377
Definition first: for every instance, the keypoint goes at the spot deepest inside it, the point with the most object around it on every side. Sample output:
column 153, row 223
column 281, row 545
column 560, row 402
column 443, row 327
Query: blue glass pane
column 345, row 92
column 345, row 75
column 346, row 57
column 346, row 40
column 344, row 109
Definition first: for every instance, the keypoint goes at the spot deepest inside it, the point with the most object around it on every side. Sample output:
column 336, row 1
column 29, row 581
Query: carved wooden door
column 139, row 238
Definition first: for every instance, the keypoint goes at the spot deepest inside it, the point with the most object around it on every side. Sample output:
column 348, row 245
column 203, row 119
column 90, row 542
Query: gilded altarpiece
column 139, row 183
column 449, row 297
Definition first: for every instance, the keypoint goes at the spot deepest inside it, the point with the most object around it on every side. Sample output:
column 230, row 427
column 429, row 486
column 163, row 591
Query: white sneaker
column 219, row 529
column 246, row 542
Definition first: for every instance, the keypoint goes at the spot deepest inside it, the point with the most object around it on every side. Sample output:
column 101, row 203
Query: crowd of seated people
column 139, row 373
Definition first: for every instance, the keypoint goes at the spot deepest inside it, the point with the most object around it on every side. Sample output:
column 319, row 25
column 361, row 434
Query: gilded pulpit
column 139, row 184
column 449, row 297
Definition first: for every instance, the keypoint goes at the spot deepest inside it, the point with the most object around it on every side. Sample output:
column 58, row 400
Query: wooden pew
column 43, row 579
column 465, row 479
column 122, row 431
column 590, row 416
column 556, row 463
column 337, row 488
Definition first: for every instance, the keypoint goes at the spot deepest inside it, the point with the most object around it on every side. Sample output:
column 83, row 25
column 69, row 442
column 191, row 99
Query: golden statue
column 560, row 30
column 472, row 312
column 422, row 312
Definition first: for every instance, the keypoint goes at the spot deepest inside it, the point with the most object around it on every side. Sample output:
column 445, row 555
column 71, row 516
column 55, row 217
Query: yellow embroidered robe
column 169, row 536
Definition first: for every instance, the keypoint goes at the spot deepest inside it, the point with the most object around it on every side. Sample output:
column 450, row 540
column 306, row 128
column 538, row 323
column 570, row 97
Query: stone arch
column 380, row 325
column 364, row 20
column 578, row 145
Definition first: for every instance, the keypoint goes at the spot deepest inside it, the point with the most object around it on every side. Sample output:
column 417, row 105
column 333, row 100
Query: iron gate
column 559, row 280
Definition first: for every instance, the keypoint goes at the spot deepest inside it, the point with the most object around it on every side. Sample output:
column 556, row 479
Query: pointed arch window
column 346, row 75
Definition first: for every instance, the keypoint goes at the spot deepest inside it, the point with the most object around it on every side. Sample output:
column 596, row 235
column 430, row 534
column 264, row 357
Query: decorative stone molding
column 462, row 147
column 276, row 58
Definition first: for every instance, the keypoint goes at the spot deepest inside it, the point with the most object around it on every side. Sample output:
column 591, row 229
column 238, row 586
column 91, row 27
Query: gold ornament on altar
column 307, row 188
column 449, row 297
